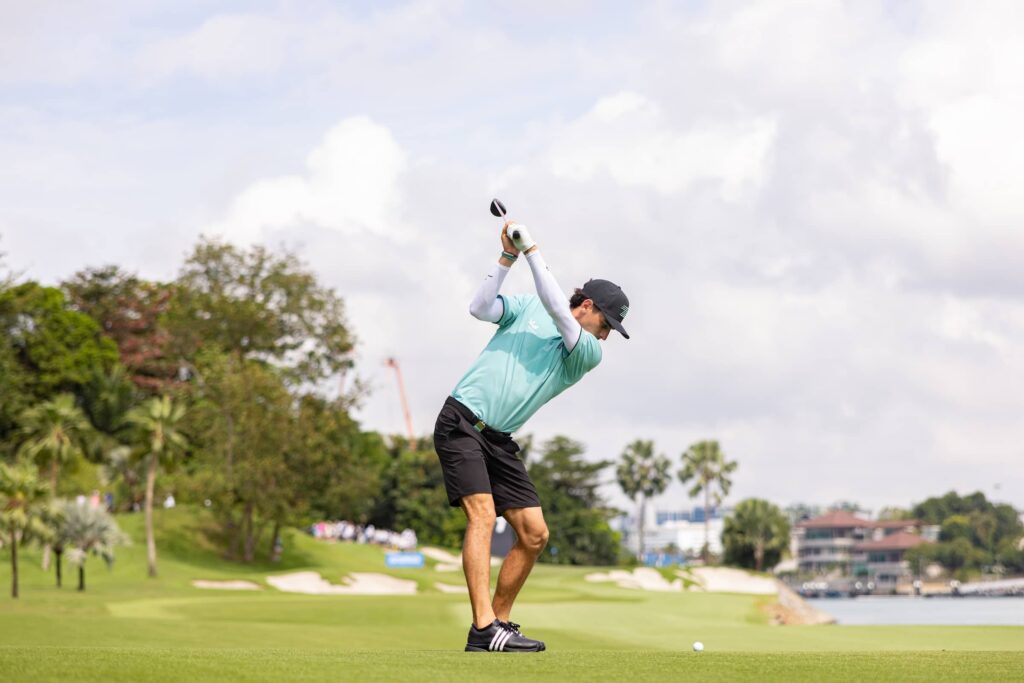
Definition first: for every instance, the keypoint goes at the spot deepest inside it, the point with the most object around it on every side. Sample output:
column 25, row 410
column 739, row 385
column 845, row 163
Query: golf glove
column 520, row 237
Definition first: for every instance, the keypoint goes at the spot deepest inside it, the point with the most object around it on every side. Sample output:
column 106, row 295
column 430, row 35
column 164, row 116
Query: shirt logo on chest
column 533, row 325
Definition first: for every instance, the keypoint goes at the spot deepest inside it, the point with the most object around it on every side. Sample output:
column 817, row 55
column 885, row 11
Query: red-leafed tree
column 130, row 312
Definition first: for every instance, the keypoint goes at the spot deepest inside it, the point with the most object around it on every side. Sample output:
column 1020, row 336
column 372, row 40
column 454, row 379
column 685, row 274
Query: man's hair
column 577, row 298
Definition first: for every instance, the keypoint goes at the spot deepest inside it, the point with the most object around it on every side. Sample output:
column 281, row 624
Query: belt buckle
column 480, row 425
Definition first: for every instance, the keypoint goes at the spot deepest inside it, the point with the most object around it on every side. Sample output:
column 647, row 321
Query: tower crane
column 393, row 363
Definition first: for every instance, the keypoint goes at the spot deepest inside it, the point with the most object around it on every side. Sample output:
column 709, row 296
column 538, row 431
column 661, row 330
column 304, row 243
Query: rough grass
column 128, row 627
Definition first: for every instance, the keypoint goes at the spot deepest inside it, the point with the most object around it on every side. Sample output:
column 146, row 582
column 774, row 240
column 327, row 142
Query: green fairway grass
column 127, row 627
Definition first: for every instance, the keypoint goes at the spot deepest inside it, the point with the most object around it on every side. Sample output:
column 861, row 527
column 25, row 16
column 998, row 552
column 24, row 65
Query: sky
column 814, row 207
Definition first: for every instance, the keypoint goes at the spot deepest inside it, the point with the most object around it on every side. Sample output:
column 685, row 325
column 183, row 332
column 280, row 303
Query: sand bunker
column 642, row 578
column 729, row 580
column 449, row 588
column 227, row 585
column 446, row 562
column 708, row 579
column 357, row 583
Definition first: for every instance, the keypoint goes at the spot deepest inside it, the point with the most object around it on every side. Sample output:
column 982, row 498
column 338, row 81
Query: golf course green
column 127, row 627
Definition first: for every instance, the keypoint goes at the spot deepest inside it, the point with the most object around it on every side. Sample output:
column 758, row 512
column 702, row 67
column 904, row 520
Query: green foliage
column 756, row 535
column 260, row 304
column 58, row 347
column 413, row 496
column 642, row 475
column 22, row 511
column 341, row 468
column 976, row 533
column 576, row 515
column 954, row 527
column 54, row 434
column 704, row 463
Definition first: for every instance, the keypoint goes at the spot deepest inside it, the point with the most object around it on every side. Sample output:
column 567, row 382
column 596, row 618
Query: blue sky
column 812, row 205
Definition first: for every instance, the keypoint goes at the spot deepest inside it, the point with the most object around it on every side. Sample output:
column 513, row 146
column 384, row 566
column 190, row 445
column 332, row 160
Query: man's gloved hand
column 520, row 237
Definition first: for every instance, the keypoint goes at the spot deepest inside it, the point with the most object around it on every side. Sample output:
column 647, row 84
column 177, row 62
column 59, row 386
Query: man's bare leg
column 476, row 555
column 531, row 537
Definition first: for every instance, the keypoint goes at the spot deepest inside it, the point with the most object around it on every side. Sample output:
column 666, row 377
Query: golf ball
column 698, row 646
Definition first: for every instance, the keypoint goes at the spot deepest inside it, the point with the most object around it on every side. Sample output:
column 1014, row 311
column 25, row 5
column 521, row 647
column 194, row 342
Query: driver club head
column 498, row 209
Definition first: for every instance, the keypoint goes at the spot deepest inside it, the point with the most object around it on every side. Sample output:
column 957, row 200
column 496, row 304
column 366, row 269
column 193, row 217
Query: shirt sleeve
column 487, row 303
column 513, row 306
column 583, row 358
column 554, row 301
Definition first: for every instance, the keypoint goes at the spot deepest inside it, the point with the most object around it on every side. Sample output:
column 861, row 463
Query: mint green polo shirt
column 523, row 366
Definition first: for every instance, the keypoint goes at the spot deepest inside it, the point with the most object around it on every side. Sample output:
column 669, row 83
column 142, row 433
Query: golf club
column 498, row 209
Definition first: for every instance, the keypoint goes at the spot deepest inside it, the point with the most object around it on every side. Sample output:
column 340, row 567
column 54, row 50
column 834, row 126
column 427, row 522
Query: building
column 881, row 560
column 841, row 543
column 677, row 531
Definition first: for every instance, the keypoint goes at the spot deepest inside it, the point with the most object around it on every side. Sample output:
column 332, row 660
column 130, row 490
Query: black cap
column 609, row 298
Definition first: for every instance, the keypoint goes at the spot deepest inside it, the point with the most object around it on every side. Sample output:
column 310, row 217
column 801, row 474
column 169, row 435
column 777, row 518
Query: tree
column 243, row 424
column 259, row 305
column 575, row 512
column 22, row 501
column 157, row 422
column 84, row 530
column 56, row 346
column 705, row 464
column 130, row 311
column 642, row 475
column 53, row 434
column 755, row 535
column 972, row 520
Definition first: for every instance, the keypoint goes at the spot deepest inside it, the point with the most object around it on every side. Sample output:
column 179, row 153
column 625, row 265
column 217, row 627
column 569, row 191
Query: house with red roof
column 842, row 543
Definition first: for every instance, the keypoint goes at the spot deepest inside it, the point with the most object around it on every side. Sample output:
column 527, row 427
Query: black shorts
column 480, row 461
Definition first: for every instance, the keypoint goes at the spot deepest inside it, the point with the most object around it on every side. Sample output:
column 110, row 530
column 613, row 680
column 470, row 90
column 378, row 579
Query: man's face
column 592, row 320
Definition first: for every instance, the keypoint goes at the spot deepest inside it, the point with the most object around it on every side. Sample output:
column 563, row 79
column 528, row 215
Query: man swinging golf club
column 543, row 345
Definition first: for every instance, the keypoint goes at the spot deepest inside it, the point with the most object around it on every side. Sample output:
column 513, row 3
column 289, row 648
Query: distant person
column 169, row 501
column 543, row 345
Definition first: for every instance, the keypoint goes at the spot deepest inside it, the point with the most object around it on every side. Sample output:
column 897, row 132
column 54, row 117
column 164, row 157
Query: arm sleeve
column 486, row 304
column 554, row 301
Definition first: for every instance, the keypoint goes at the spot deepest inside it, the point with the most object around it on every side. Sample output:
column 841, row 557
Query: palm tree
column 756, row 530
column 157, row 422
column 705, row 463
column 54, row 433
column 86, row 530
column 22, row 499
column 642, row 475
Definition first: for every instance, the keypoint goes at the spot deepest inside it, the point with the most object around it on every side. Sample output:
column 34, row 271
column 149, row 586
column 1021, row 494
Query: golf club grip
column 515, row 234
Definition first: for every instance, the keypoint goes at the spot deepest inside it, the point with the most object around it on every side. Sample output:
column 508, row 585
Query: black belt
column 478, row 424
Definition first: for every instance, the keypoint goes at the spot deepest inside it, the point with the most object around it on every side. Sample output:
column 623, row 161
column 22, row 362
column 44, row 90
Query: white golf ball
column 698, row 646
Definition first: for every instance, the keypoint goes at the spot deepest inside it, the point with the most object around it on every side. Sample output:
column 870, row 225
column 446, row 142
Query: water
column 929, row 611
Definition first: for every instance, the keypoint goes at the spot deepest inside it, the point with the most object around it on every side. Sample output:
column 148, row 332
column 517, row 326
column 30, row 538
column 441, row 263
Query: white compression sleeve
column 554, row 300
column 485, row 304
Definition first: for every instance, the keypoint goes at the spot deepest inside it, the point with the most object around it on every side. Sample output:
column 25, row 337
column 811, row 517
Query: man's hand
column 524, row 242
column 506, row 239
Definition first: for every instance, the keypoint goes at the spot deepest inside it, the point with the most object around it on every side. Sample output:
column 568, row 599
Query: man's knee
column 535, row 538
column 479, row 509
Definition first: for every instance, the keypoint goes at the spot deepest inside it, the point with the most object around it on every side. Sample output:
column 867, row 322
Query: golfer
column 543, row 345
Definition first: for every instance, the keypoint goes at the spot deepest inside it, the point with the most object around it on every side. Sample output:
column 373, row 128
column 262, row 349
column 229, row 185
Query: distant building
column 882, row 561
column 679, row 531
column 840, row 542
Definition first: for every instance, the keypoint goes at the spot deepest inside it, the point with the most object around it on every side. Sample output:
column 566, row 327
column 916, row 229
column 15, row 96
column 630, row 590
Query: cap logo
column 623, row 311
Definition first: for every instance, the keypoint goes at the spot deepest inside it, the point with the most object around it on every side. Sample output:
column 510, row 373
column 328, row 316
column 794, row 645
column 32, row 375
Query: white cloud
column 629, row 138
column 350, row 185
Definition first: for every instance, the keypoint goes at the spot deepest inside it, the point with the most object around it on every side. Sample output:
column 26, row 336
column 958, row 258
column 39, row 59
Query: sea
column 878, row 610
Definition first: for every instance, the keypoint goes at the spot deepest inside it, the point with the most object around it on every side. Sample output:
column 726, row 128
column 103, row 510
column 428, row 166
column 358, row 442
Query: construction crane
column 393, row 363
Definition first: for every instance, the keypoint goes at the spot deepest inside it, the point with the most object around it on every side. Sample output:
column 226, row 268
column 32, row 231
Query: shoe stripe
column 494, row 641
column 504, row 640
